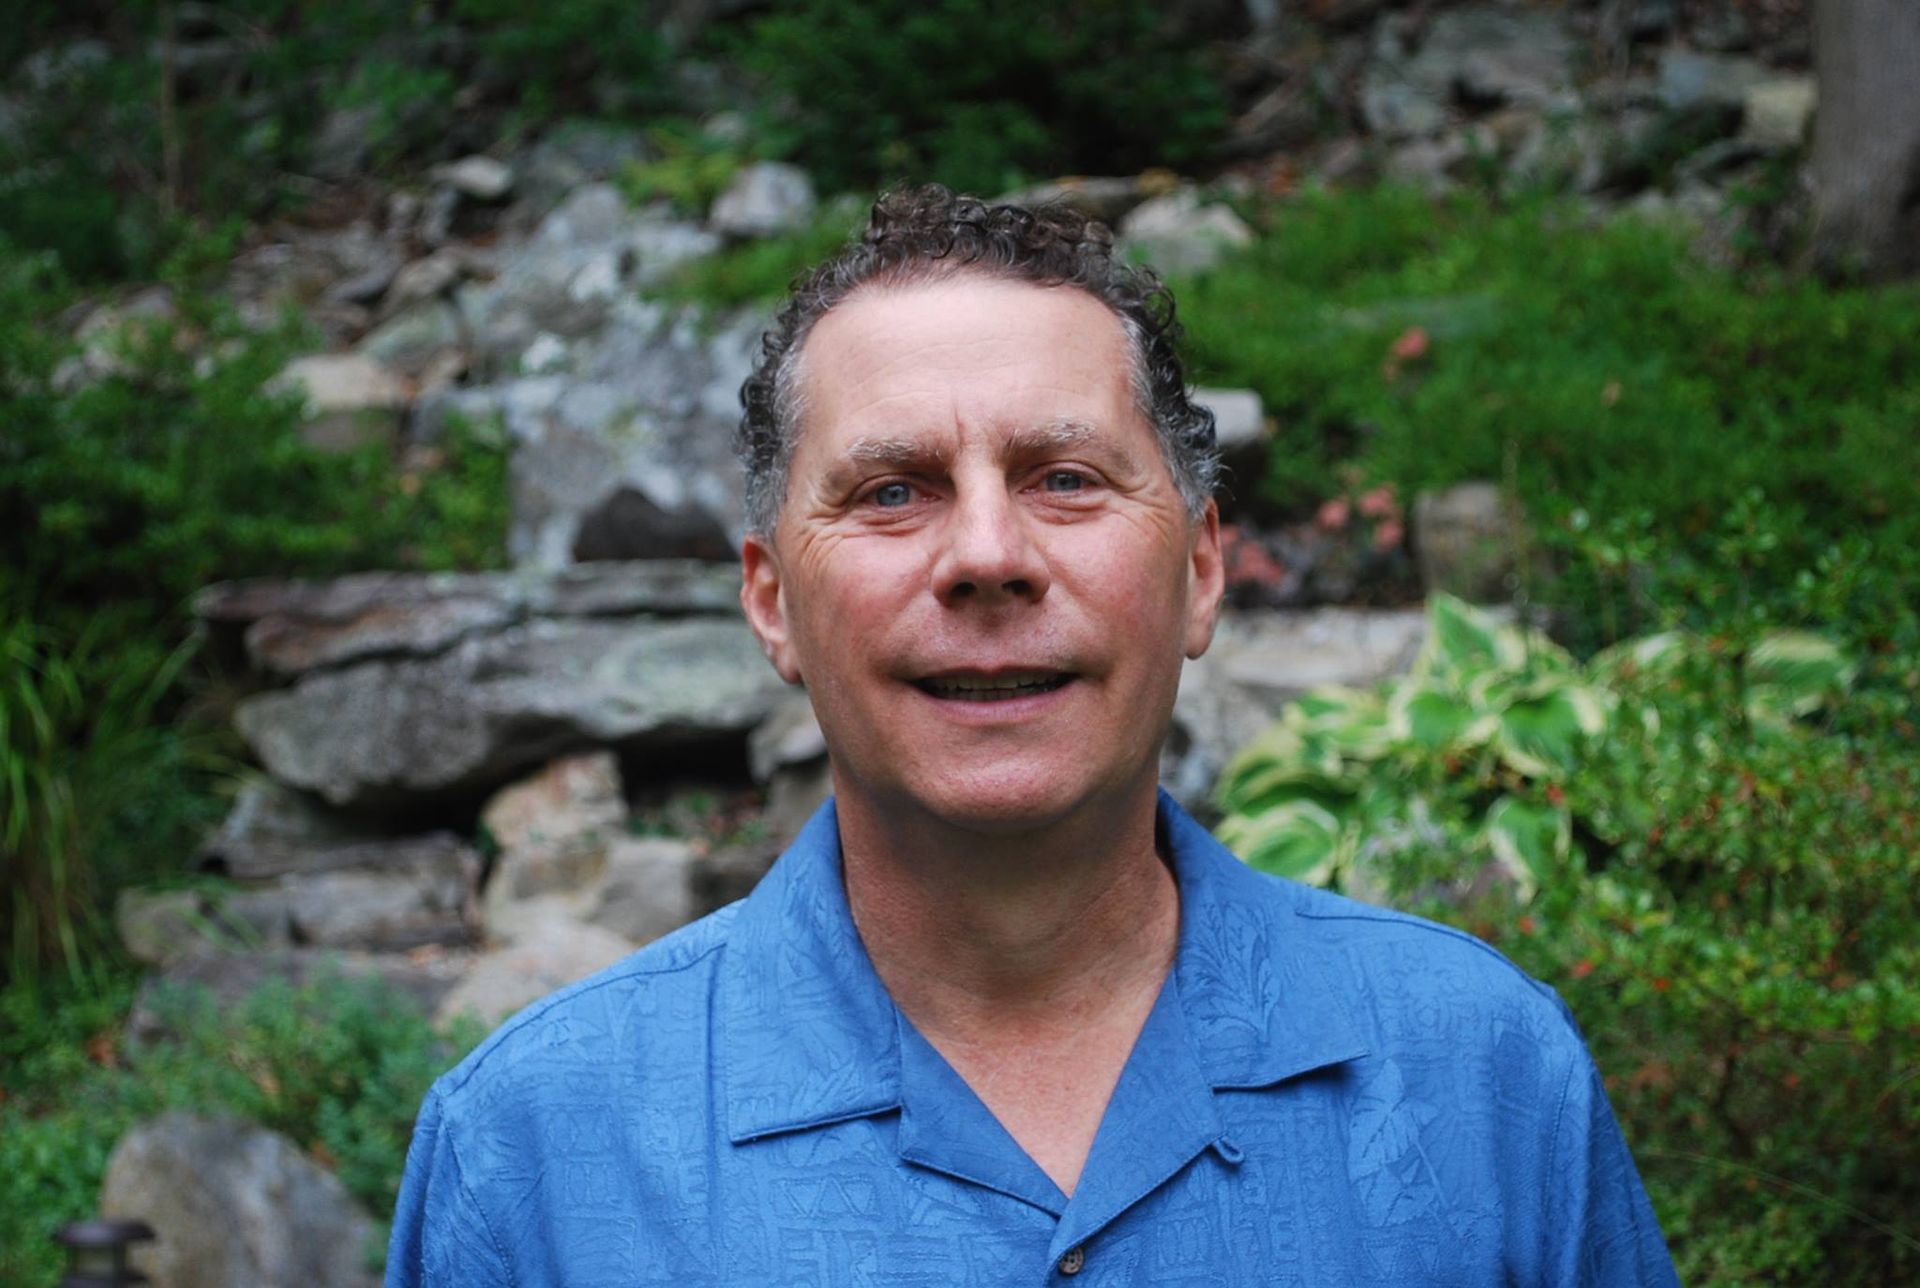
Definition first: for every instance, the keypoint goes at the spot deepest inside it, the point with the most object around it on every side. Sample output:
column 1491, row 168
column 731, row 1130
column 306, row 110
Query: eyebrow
column 1030, row 440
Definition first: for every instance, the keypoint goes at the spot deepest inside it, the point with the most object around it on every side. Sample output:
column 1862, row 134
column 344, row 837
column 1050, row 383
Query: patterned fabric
column 1324, row 1093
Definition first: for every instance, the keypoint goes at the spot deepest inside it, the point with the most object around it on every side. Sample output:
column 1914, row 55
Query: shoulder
column 641, row 1015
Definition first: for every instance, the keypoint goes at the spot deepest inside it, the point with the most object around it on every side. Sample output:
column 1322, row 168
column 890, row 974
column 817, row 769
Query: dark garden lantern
column 97, row 1252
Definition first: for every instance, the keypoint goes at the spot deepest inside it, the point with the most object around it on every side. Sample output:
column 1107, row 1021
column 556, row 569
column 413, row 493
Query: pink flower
column 1389, row 535
column 1378, row 503
column 1412, row 345
column 1333, row 514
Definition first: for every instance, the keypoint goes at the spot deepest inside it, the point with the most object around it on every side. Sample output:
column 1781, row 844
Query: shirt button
column 1073, row 1261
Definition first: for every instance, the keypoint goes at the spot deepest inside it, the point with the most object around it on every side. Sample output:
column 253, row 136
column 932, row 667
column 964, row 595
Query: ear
column 765, row 604
column 1209, row 581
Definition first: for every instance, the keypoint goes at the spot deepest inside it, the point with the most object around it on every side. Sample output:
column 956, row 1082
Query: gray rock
column 650, row 413
column 647, row 888
column 1690, row 81
column 1778, row 111
column 788, row 755
column 1258, row 663
column 382, row 731
column 109, row 331
column 1474, row 56
column 236, row 1206
column 789, row 736
column 553, row 830
column 764, row 199
column 1465, row 543
column 1107, row 199
column 351, row 399
column 409, row 343
column 427, row 278
column 477, row 178
column 1484, row 53
column 1395, row 107
column 290, row 627
column 1178, row 235
column 343, row 144
column 546, row 957
column 273, row 816
column 1239, row 420
column 158, row 927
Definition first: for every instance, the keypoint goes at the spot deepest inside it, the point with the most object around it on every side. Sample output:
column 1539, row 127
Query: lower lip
column 999, row 710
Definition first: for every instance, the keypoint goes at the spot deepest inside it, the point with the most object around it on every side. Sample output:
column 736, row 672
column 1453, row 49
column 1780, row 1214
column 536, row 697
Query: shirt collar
column 809, row 1035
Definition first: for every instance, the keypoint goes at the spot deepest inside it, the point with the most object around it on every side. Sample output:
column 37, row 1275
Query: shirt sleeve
column 441, row 1236
column 1599, row 1228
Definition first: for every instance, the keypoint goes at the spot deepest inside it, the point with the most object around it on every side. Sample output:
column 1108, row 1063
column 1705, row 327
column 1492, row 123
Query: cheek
column 854, row 591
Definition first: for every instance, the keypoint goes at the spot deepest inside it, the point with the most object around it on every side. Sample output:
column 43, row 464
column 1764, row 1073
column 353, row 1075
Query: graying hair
column 929, row 234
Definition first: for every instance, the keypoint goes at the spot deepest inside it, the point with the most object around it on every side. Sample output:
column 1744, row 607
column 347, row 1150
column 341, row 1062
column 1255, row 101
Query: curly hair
column 927, row 234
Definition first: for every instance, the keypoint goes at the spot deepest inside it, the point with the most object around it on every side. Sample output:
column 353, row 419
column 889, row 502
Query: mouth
column 1002, row 687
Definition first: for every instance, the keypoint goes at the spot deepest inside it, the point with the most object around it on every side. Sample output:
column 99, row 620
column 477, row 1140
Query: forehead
column 964, row 353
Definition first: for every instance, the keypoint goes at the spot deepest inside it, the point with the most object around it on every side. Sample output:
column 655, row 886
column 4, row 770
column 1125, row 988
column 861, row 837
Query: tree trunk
column 1866, row 136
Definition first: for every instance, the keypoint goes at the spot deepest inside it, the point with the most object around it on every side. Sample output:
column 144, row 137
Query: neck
column 1014, row 936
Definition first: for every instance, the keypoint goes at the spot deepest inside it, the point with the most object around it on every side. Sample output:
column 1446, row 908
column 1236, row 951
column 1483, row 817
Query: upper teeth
column 987, row 682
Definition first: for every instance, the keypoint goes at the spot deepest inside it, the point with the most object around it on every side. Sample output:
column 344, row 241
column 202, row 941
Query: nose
column 986, row 549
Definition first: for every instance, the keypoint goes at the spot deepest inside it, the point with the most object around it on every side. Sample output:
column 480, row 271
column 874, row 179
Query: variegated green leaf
column 1793, row 673
column 1528, row 838
column 1431, row 718
column 1540, row 736
column 1299, row 839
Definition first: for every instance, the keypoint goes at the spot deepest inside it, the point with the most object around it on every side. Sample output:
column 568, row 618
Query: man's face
column 983, row 571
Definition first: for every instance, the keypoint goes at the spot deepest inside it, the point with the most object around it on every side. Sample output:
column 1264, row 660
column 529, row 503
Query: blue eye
column 1064, row 481
column 892, row 495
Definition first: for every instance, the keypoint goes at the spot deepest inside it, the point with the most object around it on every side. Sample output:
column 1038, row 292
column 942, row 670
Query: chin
column 1010, row 799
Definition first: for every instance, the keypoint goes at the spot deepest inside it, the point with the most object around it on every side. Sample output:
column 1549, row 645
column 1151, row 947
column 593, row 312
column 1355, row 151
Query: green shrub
column 119, row 159
column 340, row 1066
column 1705, row 841
column 182, row 467
column 980, row 94
column 1589, row 366
column 125, row 495
column 95, row 791
column 761, row 271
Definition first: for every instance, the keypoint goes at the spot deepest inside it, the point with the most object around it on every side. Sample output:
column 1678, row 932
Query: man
column 1003, row 1014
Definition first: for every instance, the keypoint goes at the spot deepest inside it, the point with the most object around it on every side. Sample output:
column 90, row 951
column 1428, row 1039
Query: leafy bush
column 180, row 466
column 340, row 1066
column 763, row 270
column 126, row 493
column 1592, row 366
column 1705, row 841
column 116, row 158
column 91, row 786
column 979, row 94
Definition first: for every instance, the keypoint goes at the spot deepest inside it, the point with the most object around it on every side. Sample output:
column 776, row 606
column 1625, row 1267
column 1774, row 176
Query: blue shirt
column 1324, row 1093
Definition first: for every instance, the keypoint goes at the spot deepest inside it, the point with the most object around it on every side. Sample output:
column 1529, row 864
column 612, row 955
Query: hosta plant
column 1476, row 750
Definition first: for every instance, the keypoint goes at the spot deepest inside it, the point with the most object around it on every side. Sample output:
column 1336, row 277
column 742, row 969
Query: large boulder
column 236, row 1206
column 378, row 732
column 1261, row 661
column 587, row 254
column 622, row 439
column 1473, row 57
column 1179, row 234
column 764, row 200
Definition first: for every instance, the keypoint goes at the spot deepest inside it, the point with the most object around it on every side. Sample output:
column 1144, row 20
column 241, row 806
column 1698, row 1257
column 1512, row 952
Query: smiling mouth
column 992, row 688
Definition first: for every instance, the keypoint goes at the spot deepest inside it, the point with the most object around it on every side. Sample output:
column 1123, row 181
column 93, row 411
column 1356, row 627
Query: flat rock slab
column 381, row 732
column 289, row 627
